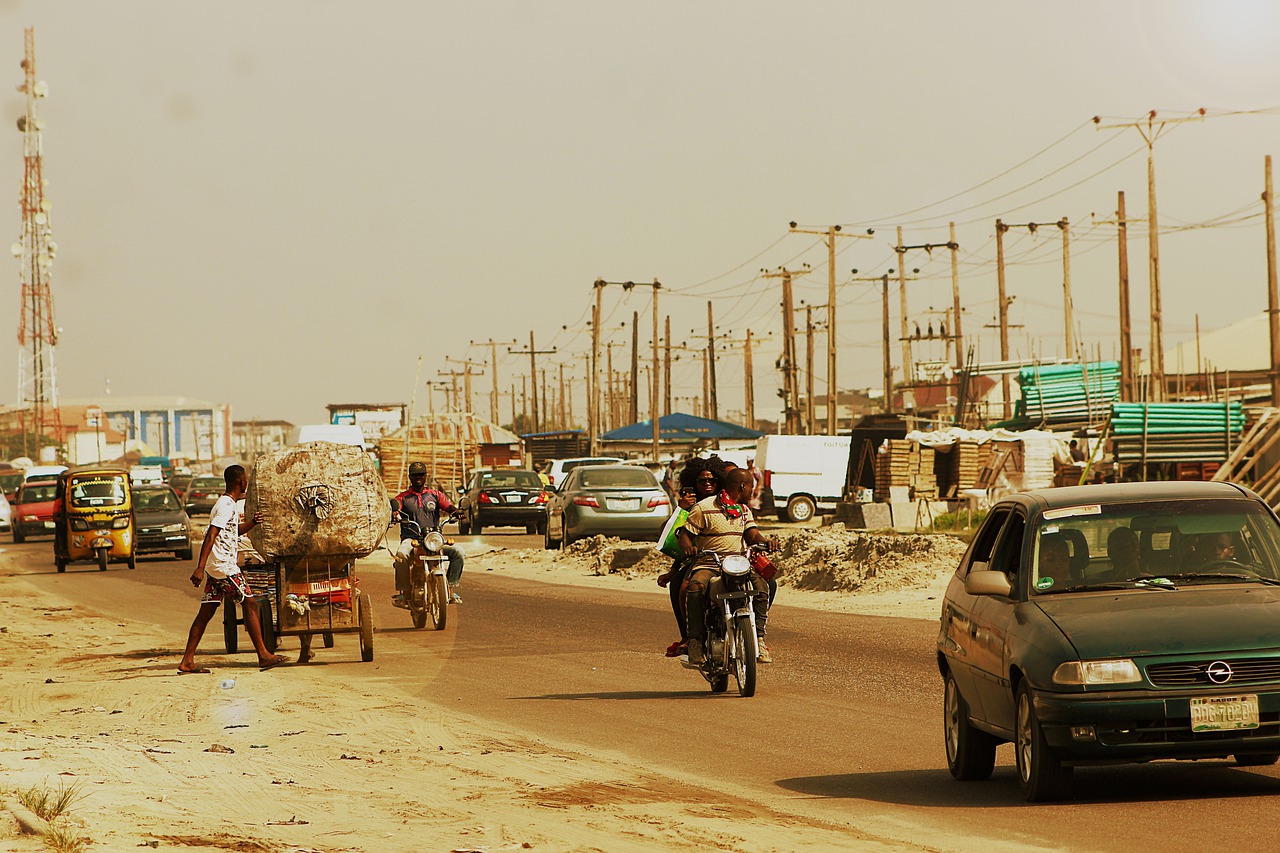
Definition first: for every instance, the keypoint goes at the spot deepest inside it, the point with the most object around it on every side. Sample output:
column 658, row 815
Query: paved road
column 846, row 726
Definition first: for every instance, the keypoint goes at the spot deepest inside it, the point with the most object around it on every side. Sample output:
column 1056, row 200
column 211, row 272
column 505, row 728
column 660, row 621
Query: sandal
column 677, row 648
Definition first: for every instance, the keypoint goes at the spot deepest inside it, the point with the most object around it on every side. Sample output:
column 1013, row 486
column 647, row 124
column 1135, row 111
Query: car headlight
column 79, row 524
column 1083, row 672
column 433, row 541
column 173, row 528
column 121, row 522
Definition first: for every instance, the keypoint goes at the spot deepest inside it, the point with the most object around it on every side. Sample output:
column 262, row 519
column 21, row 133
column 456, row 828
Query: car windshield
column 616, row 478
column 38, row 494
column 1154, row 544
column 98, row 491
column 510, row 480
column 158, row 501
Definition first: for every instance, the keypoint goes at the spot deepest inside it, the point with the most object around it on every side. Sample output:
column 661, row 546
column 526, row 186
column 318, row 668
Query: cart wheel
column 365, row 613
column 327, row 637
column 438, row 601
column 133, row 561
column 229, row 627
column 102, row 559
column 267, row 620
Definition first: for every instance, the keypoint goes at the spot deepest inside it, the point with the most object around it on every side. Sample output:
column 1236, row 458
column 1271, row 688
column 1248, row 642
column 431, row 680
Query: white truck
column 801, row 472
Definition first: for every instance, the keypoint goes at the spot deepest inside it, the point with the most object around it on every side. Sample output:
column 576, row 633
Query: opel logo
column 1219, row 672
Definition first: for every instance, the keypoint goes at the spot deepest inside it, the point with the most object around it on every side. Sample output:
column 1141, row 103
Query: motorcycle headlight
column 1082, row 672
column 121, row 522
column 735, row 564
column 433, row 541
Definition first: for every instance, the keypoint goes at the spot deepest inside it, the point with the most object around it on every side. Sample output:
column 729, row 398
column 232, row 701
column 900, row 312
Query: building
column 250, row 439
column 374, row 419
column 177, row 427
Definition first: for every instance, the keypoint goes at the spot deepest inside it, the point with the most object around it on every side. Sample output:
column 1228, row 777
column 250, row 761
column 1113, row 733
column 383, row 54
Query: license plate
column 622, row 504
column 513, row 499
column 1224, row 713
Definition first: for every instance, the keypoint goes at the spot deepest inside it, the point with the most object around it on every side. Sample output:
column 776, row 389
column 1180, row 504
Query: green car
column 1112, row 624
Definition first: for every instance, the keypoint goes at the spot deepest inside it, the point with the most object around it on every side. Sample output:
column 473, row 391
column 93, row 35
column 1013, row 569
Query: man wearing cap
column 423, row 506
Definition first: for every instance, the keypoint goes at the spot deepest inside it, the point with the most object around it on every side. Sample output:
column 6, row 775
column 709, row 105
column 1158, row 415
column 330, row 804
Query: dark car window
column 206, row 483
column 510, row 480
column 1007, row 557
column 157, row 501
column 1122, row 542
column 983, row 544
column 99, row 491
column 37, row 494
column 616, row 478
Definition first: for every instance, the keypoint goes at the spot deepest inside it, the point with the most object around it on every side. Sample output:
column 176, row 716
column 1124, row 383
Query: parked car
column 202, row 493
column 43, row 474
column 9, row 482
column 160, row 521
column 1114, row 623
column 558, row 468
column 33, row 509
column 6, row 513
column 179, row 483
column 503, row 497
column 616, row 500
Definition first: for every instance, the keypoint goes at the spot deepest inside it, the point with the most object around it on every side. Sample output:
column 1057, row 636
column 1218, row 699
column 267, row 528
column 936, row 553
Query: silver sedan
column 614, row 500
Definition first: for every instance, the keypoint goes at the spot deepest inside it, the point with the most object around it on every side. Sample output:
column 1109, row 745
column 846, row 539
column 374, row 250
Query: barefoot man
column 222, row 541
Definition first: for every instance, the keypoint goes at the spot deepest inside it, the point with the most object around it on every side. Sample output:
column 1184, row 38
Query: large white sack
column 324, row 504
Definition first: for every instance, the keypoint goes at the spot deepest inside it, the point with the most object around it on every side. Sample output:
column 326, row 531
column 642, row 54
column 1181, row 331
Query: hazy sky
column 280, row 205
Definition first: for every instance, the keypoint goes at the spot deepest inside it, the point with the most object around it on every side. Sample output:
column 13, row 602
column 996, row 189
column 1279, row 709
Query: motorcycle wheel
column 438, row 601
column 102, row 559
column 419, row 617
column 719, row 683
column 745, row 650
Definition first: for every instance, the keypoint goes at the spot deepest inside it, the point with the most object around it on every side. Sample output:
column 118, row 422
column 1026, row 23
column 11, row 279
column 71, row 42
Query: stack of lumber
column 904, row 470
column 447, row 444
column 967, row 461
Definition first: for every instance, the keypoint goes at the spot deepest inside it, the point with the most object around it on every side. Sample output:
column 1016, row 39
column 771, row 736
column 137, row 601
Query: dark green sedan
column 1113, row 624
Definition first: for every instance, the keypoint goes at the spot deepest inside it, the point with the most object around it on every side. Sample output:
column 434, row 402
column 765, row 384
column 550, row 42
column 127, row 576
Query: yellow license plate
column 1224, row 713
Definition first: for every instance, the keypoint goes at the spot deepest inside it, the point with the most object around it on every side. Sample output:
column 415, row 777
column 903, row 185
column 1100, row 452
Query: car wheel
column 1265, row 759
column 1041, row 773
column 530, row 529
column 547, row 542
column 17, row 536
column 801, row 508
column 476, row 527
column 464, row 529
column 971, row 753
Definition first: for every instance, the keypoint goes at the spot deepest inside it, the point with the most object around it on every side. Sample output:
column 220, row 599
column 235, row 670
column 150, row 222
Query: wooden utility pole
column 713, row 405
column 790, row 389
column 830, row 234
column 466, row 376
column 1126, row 339
column 748, row 386
column 493, row 372
column 1068, row 313
column 533, row 352
column 593, row 390
column 634, row 396
column 808, row 367
column 883, row 281
column 666, row 369
column 564, row 416
column 611, row 422
column 956, row 337
column 908, row 368
column 1002, row 306
column 655, row 375
column 1273, row 299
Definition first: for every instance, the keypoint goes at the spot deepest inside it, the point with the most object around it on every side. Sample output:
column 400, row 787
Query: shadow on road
column 1128, row 784
column 629, row 695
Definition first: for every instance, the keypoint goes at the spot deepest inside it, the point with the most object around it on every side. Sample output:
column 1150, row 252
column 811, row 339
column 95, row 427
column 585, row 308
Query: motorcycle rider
column 424, row 507
column 699, row 479
column 721, row 524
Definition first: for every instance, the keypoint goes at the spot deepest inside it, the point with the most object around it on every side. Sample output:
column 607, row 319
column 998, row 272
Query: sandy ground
column 169, row 761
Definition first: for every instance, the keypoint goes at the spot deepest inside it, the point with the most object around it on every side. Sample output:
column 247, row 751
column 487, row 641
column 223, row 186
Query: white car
column 146, row 475
column 6, row 513
column 561, row 467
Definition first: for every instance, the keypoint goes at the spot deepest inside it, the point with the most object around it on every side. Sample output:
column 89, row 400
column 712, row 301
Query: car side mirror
column 988, row 583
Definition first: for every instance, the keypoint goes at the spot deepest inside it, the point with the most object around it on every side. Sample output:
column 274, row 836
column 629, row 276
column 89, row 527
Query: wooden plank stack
column 904, row 470
column 966, row 463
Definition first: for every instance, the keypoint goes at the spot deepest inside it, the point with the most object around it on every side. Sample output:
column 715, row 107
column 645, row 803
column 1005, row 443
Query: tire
column 438, row 601
column 326, row 639
column 18, row 537
column 464, row 529
column 102, row 559
column 419, row 618
column 267, row 620
column 364, row 611
column 229, row 635
column 540, row 527
column 971, row 753
column 476, row 527
column 60, row 563
column 801, row 508
column 547, row 542
column 1040, row 772
column 1265, row 759
column 133, row 561
column 745, row 650
column 183, row 555
column 531, row 529
column 720, row 683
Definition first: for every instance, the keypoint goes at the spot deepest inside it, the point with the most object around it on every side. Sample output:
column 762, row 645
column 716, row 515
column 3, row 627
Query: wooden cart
column 304, row 601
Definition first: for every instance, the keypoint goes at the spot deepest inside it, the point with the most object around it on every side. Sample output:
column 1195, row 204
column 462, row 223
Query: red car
column 33, row 510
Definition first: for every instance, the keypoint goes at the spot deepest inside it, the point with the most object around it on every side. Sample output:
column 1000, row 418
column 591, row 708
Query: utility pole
column 808, row 367
column 957, row 337
column 748, row 385
column 466, row 375
column 1273, row 299
column 1002, row 306
column 1068, row 312
column 493, row 371
column 1151, row 130
column 713, row 405
column 564, row 419
column 635, row 368
column 666, row 369
column 1126, row 339
column 883, row 281
column 533, row 352
column 788, row 360
column 452, row 397
column 908, row 371
column 656, row 373
column 830, row 234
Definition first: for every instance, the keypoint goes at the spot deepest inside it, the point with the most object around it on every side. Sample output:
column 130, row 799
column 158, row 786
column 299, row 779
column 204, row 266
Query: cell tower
column 37, row 334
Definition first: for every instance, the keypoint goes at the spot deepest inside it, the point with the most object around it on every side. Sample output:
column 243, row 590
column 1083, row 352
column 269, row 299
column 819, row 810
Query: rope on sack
column 314, row 498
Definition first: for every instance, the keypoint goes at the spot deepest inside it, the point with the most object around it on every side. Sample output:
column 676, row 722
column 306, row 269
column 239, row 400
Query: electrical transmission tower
column 37, row 334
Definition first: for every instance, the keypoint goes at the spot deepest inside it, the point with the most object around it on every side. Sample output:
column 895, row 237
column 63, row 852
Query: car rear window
column 617, row 478
column 575, row 463
column 37, row 494
column 510, row 480
column 207, row 483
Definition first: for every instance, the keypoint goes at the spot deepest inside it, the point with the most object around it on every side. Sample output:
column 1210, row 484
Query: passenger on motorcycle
column 699, row 479
column 423, row 506
column 721, row 524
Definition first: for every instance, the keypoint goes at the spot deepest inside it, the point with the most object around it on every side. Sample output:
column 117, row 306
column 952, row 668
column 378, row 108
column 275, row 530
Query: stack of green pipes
column 1175, row 432
column 1067, row 394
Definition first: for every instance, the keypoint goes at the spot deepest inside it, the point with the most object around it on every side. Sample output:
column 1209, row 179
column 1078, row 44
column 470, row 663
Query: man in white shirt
column 222, row 577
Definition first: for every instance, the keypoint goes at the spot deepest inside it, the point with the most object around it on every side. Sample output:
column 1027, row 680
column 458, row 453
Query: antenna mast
column 37, row 334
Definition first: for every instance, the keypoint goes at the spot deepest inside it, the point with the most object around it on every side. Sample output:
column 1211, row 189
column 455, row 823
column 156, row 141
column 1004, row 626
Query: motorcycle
column 427, row 598
column 731, row 645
